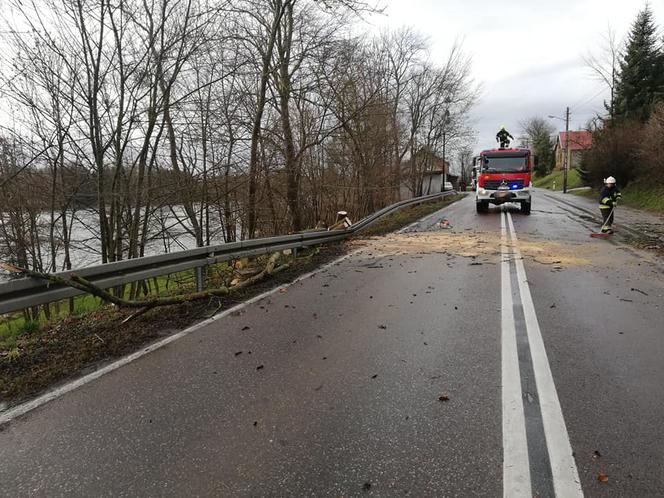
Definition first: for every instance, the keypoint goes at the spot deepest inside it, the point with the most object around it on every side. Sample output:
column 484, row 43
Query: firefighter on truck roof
column 503, row 137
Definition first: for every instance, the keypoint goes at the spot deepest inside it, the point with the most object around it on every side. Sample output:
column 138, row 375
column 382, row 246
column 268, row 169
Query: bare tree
column 157, row 125
column 404, row 50
column 465, row 158
column 438, row 104
column 605, row 65
column 271, row 23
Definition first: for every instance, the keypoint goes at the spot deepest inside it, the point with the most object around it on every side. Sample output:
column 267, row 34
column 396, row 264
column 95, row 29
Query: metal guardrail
column 24, row 293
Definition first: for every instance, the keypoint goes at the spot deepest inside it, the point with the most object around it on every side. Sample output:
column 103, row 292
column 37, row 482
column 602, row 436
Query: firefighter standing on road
column 608, row 200
column 502, row 137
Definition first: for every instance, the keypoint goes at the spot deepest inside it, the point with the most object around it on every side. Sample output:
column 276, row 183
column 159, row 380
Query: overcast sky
column 527, row 54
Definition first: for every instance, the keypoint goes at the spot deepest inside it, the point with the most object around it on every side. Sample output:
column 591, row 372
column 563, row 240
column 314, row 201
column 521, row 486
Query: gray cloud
column 527, row 54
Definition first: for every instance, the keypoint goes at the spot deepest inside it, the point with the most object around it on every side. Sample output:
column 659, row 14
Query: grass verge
column 408, row 215
column 36, row 356
column 14, row 325
column 644, row 196
column 555, row 179
column 636, row 195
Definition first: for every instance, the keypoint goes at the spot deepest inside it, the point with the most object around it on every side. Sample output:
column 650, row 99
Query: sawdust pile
column 484, row 245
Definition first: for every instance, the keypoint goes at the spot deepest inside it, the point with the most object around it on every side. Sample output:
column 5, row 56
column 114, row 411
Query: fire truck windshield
column 505, row 164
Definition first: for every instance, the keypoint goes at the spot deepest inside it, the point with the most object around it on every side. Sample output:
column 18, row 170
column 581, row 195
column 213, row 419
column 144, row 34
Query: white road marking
column 566, row 481
column 516, row 466
column 24, row 408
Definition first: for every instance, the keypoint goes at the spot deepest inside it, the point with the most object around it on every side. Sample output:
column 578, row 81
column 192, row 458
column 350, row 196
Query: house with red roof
column 427, row 175
column 578, row 142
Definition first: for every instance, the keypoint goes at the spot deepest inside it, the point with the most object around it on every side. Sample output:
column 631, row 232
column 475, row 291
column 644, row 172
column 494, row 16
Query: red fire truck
column 504, row 175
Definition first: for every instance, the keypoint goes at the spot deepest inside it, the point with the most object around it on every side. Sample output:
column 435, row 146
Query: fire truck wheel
column 525, row 207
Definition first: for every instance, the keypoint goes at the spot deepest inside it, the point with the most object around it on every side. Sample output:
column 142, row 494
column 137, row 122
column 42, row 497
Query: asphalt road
column 545, row 345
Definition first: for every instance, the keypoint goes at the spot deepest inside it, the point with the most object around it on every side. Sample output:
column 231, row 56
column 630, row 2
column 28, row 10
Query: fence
column 24, row 293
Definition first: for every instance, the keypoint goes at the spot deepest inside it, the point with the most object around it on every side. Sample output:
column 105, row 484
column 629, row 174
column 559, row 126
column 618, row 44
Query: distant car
column 448, row 186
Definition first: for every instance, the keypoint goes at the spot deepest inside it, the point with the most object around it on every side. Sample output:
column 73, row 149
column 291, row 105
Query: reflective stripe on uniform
column 602, row 206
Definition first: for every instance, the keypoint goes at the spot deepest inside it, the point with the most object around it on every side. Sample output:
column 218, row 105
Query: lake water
column 167, row 234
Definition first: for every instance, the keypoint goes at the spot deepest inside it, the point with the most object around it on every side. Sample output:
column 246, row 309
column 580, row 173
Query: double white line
column 516, row 464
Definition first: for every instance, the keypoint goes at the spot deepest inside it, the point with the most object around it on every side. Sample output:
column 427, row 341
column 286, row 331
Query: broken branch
column 77, row 282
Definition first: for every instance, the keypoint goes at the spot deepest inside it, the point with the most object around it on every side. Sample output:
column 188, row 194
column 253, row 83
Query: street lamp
column 565, row 158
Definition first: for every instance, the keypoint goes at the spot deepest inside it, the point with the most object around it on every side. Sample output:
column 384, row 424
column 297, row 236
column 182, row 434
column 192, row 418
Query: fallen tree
column 77, row 282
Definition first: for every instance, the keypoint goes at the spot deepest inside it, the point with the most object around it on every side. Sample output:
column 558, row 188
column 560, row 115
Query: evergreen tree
column 641, row 69
column 543, row 148
column 536, row 135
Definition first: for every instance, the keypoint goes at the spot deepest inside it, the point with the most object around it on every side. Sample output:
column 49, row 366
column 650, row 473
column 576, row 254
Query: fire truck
column 504, row 175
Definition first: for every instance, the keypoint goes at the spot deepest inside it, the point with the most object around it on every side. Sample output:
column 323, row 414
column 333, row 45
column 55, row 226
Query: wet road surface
column 545, row 346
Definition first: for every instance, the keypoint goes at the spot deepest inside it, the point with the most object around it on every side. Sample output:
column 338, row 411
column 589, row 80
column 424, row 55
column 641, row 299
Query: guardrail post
column 200, row 279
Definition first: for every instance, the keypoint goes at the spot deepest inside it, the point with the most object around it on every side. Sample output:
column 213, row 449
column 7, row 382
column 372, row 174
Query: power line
column 579, row 105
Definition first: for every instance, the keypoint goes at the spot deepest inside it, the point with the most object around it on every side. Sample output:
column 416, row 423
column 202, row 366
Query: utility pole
column 566, row 159
column 446, row 120
column 444, row 173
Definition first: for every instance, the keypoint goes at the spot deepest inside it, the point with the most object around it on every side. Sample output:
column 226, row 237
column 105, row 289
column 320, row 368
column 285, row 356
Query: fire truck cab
column 504, row 175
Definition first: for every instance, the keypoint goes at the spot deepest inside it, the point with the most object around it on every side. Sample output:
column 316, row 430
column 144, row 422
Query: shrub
column 616, row 151
column 651, row 165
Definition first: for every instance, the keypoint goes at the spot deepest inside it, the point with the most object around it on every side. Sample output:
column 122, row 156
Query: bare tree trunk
column 284, row 88
column 277, row 7
column 231, row 230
